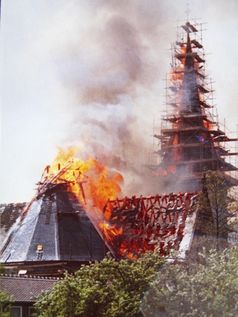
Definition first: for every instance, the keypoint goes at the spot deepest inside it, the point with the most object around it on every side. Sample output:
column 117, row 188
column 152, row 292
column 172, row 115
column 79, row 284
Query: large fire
column 92, row 182
column 149, row 223
column 129, row 226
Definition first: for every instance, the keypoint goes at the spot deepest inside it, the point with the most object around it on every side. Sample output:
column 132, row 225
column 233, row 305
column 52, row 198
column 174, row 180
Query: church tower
column 191, row 140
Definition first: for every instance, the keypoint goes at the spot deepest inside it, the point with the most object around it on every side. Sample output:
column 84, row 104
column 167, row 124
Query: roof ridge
column 37, row 277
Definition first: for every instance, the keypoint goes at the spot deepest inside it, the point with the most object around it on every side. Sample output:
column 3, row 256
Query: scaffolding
column 191, row 140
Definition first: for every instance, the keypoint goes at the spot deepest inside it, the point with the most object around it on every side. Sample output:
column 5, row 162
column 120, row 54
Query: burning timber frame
column 139, row 224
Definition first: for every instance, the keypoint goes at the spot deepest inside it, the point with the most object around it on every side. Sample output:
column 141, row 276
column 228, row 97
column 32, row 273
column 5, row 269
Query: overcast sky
column 90, row 73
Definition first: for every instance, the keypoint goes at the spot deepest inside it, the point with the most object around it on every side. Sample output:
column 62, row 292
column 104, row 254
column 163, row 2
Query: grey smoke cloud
column 63, row 68
column 115, row 59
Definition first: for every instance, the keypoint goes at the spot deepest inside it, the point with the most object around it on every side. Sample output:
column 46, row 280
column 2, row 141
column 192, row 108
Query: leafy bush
column 205, row 289
column 4, row 304
column 106, row 289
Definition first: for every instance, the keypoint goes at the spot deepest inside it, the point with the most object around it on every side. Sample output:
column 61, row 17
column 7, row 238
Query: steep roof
column 190, row 94
column 55, row 227
column 9, row 214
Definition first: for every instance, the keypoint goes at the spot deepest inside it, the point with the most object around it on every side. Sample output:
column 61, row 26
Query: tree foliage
column 205, row 289
column 4, row 304
column 216, row 216
column 109, row 288
column 233, row 209
column 213, row 209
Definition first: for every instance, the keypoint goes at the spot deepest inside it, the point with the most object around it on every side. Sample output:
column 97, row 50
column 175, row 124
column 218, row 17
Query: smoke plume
column 106, row 69
column 62, row 67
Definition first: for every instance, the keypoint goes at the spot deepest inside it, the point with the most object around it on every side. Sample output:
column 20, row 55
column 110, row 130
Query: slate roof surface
column 58, row 222
column 9, row 214
column 25, row 288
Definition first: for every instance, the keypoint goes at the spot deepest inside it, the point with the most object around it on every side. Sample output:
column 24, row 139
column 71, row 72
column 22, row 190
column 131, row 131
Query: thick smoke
column 69, row 69
column 114, row 60
column 106, row 69
column 117, row 69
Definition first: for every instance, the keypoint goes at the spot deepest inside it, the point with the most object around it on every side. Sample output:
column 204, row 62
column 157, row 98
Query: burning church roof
column 77, row 217
column 60, row 223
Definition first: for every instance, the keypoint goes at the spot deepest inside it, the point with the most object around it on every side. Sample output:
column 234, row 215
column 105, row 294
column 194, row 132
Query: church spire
column 189, row 89
column 191, row 141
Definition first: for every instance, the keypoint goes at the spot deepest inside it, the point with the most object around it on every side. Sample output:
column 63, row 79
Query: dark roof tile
column 25, row 288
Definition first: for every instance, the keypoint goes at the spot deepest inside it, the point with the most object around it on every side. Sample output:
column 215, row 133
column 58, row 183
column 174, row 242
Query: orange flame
column 109, row 231
column 92, row 182
column 177, row 72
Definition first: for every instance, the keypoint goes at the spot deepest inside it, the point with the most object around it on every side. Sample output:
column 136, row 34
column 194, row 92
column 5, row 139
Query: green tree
column 4, row 304
column 233, row 209
column 205, row 289
column 213, row 209
column 2, row 269
column 109, row 288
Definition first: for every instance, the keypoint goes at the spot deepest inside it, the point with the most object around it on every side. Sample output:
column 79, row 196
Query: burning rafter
column 139, row 224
